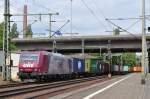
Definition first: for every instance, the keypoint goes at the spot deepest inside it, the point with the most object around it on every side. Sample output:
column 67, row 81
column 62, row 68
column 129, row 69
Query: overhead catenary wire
column 20, row 9
column 41, row 6
column 37, row 16
column 30, row 24
column 99, row 9
column 124, row 18
column 126, row 30
column 133, row 24
column 139, row 19
column 94, row 15
column 122, row 29
column 101, row 13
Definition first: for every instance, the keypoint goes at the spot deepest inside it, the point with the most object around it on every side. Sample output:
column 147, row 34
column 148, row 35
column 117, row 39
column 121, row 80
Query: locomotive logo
column 28, row 65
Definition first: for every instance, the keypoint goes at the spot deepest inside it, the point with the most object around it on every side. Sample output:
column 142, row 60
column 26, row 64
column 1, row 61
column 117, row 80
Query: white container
column 15, row 58
column 14, row 71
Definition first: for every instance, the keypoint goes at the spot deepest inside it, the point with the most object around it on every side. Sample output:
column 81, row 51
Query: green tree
column 13, row 33
column 29, row 31
column 116, row 60
column 129, row 59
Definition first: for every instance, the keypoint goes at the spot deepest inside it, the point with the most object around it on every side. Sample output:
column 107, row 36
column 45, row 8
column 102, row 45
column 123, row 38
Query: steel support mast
column 6, row 67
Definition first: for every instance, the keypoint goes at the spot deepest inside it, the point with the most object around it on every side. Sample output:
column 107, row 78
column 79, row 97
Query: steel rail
column 8, row 92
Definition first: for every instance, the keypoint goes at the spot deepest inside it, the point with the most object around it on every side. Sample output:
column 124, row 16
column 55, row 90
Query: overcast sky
column 88, row 15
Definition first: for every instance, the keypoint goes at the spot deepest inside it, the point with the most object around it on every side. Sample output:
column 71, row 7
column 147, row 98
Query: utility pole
column 6, row 65
column 83, row 46
column 50, row 25
column 144, row 48
column 109, row 56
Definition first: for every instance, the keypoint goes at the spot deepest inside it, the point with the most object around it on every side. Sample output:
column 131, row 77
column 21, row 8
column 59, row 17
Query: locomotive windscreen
column 29, row 57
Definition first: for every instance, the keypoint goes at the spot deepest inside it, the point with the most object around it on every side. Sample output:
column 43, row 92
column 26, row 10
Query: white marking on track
column 107, row 87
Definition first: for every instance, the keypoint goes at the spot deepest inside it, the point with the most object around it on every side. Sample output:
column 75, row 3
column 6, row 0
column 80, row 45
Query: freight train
column 43, row 66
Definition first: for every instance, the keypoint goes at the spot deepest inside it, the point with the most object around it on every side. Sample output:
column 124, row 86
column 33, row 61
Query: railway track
column 9, row 92
column 15, row 84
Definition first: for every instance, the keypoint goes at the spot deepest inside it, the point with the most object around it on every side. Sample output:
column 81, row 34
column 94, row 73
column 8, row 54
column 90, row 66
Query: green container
column 94, row 65
column 87, row 65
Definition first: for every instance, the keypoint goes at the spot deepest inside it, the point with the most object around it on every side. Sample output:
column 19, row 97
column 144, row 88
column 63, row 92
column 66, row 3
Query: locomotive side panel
column 59, row 65
column 67, row 68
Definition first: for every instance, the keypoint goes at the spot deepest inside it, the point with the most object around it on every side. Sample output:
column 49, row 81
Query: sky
column 88, row 16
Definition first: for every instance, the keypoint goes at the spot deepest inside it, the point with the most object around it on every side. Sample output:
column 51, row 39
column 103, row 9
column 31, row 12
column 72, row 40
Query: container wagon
column 117, row 69
column 78, row 67
column 14, row 68
column 95, row 66
column 125, row 69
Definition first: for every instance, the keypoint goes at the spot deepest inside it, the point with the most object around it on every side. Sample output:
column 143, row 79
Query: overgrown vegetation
column 13, row 34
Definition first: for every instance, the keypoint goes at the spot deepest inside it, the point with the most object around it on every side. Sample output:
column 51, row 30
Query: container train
column 118, row 69
column 43, row 65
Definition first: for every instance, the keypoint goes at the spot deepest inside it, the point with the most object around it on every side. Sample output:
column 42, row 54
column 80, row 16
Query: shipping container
column 105, row 68
column 87, row 65
column 130, row 68
column 15, row 58
column 78, row 65
column 137, row 68
column 117, row 69
column 126, row 68
column 96, row 66
column 14, row 71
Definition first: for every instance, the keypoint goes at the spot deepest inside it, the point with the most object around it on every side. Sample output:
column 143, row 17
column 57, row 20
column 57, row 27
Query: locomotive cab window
column 29, row 57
